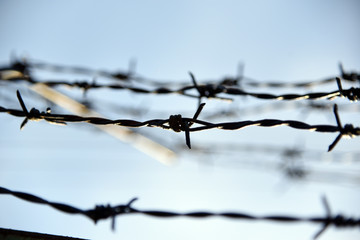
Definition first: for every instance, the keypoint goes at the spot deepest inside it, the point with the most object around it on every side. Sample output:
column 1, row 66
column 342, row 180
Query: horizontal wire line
column 128, row 76
column 104, row 212
column 204, row 90
column 208, row 91
column 177, row 123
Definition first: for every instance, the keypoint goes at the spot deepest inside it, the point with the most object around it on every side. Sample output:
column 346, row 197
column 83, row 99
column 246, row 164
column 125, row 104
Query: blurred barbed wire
column 106, row 211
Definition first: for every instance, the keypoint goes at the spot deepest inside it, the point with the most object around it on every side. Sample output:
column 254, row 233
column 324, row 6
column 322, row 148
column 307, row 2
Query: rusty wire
column 179, row 124
column 106, row 211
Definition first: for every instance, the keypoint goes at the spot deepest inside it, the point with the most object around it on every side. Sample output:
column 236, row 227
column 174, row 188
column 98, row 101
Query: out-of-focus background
column 247, row 170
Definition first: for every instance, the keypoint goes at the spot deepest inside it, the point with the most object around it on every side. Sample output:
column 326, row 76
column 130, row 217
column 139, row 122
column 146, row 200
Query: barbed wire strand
column 179, row 124
column 209, row 91
column 106, row 211
column 27, row 64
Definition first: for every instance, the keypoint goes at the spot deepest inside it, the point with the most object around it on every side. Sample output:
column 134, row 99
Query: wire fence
column 223, row 89
column 210, row 91
column 27, row 65
column 101, row 212
column 179, row 124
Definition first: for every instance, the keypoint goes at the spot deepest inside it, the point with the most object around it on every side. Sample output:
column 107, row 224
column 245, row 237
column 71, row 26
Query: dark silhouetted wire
column 179, row 124
column 104, row 212
column 210, row 91
column 27, row 65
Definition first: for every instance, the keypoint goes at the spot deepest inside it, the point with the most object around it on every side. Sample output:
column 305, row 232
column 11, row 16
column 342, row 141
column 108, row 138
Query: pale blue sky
column 285, row 40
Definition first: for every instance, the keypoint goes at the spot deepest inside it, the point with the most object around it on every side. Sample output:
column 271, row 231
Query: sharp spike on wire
column 197, row 87
column 22, row 104
column 208, row 91
column 338, row 122
column 338, row 81
column 328, row 217
column 198, row 111
column 187, row 125
column 193, row 80
column 341, row 68
column 177, row 123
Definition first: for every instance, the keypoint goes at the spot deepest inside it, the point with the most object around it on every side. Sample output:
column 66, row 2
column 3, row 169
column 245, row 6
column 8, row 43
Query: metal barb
column 196, row 115
column 353, row 94
column 122, row 209
column 338, row 81
column 197, row 87
column 328, row 217
column 348, row 130
column 338, row 138
column 178, row 124
column 23, row 106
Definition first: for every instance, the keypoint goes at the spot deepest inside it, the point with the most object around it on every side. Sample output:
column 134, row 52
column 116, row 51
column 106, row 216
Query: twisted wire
column 209, row 91
column 179, row 124
column 106, row 211
column 26, row 65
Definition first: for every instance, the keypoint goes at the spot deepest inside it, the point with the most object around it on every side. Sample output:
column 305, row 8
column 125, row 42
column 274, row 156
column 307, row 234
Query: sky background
column 286, row 41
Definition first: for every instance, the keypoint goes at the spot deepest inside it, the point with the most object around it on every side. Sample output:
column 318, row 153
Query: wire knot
column 21, row 67
column 353, row 94
column 84, row 85
column 177, row 124
column 350, row 131
column 230, row 82
column 341, row 221
column 101, row 212
column 210, row 90
column 104, row 212
column 34, row 115
column 347, row 131
column 352, row 76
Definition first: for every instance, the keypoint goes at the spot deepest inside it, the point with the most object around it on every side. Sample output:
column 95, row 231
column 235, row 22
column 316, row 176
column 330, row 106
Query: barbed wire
column 127, row 76
column 101, row 212
column 179, row 124
column 22, row 71
column 209, row 91
column 305, row 108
